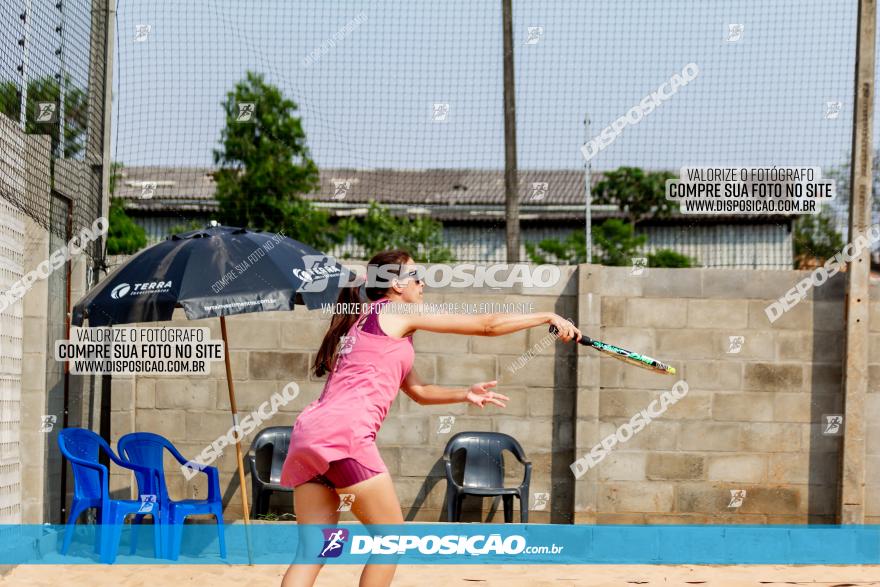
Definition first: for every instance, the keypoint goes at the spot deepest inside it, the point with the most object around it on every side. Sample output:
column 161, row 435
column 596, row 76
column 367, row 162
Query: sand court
column 447, row 575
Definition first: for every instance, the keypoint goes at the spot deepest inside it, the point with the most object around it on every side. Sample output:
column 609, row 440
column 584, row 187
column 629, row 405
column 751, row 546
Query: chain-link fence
column 403, row 103
column 52, row 93
column 394, row 86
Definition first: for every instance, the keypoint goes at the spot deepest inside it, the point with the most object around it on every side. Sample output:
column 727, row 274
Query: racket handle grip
column 584, row 339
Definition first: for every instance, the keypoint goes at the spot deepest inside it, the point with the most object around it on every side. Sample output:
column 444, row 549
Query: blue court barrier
column 466, row 543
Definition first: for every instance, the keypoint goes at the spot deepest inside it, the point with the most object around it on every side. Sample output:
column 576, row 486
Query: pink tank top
column 344, row 420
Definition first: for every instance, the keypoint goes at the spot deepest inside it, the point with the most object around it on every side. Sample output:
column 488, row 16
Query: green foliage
column 815, row 238
column 614, row 243
column 842, row 178
column 639, row 194
column 47, row 89
column 380, row 230
column 670, row 258
column 617, row 243
column 124, row 236
column 186, row 227
column 266, row 167
column 115, row 173
column 570, row 251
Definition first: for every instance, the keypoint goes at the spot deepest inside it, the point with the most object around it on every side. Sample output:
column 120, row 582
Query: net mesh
column 51, row 120
column 403, row 103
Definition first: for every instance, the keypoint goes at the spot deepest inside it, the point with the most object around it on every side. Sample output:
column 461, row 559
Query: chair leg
column 100, row 529
column 257, row 502
column 451, row 497
column 221, row 530
column 135, row 523
column 99, row 536
column 76, row 509
column 508, row 508
column 165, row 531
column 109, row 535
column 157, row 530
column 263, row 501
column 176, row 531
column 524, row 509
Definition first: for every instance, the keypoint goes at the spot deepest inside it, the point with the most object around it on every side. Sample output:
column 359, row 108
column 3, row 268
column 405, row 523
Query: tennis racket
column 639, row 360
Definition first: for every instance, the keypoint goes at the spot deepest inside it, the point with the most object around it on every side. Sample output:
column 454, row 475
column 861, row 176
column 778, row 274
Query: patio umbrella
column 214, row 272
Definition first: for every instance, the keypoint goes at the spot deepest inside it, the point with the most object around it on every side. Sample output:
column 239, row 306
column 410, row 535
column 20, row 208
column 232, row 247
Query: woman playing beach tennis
column 369, row 357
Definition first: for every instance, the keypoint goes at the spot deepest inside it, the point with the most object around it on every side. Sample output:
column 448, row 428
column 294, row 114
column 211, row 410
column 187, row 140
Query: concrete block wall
column 12, row 249
column 751, row 419
column 33, row 325
column 872, row 413
column 269, row 350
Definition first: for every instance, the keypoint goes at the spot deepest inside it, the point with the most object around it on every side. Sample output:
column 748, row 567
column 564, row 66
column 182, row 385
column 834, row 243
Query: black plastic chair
column 484, row 472
column 266, row 457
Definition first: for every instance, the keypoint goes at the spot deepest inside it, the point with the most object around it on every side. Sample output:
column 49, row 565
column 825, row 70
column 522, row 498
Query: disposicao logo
column 444, row 545
column 334, row 539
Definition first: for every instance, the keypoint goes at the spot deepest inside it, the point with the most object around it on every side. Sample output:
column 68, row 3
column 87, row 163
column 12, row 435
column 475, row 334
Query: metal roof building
column 470, row 204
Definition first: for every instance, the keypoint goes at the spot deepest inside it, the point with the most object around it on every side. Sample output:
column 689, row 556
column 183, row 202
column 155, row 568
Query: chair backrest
column 484, row 459
column 84, row 445
column 148, row 449
column 270, row 449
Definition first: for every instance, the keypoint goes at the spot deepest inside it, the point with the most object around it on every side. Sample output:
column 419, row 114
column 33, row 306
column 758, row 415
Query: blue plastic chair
column 81, row 448
column 148, row 449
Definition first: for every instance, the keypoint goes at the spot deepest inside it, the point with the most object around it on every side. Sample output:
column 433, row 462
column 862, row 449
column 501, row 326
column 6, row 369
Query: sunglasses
column 416, row 275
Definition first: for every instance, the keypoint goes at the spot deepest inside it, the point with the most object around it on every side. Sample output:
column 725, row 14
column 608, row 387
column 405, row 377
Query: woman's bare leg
column 315, row 503
column 375, row 502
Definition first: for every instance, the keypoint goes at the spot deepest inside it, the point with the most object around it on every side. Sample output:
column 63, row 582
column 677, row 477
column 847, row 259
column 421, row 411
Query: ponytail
column 351, row 297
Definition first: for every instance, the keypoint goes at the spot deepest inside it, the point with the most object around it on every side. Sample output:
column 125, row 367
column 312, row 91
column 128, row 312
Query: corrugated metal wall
column 731, row 246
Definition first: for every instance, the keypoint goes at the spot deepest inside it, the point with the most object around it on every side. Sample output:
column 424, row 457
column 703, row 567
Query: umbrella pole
column 241, row 481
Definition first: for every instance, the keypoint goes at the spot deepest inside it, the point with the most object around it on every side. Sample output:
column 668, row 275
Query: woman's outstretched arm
column 427, row 394
column 478, row 324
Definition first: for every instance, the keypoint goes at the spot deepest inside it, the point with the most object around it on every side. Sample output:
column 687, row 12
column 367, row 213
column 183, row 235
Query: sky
column 367, row 102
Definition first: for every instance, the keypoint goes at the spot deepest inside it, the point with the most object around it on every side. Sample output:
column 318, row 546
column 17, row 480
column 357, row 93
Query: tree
column 115, row 173
column 266, row 167
column 639, row 194
column 815, row 239
column 617, row 243
column 841, row 177
column 615, row 240
column 669, row 258
column 380, row 230
column 124, row 236
column 570, row 251
column 47, row 89
column 186, row 227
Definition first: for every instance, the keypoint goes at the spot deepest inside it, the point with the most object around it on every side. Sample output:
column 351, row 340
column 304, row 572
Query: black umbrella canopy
column 215, row 271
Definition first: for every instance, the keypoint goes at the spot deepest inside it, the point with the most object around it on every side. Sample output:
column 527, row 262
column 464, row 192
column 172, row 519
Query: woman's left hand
column 480, row 393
